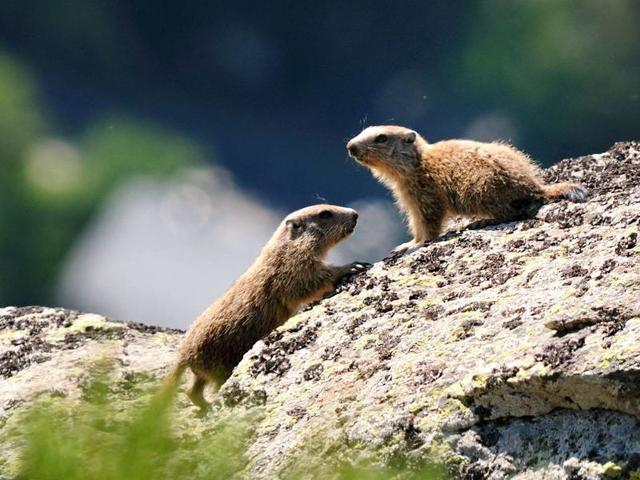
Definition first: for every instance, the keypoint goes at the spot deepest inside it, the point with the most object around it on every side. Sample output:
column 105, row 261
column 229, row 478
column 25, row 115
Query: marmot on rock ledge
column 430, row 181
column 289, row 272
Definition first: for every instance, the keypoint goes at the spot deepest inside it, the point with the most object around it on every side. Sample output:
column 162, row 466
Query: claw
column 360, row 267
column 350, row 269
column 355, row 267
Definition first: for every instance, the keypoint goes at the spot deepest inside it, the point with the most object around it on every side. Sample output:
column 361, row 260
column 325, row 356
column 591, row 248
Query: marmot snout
column 430, row 181
column 289, row 272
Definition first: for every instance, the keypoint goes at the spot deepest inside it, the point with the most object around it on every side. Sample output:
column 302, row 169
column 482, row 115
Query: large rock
column 502, row 351
column 507, row 350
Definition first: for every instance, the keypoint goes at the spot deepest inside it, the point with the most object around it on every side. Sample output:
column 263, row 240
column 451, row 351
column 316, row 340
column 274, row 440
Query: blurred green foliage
column 95, row 438
column 103, row 438
column 568, row 72
column 50, row 187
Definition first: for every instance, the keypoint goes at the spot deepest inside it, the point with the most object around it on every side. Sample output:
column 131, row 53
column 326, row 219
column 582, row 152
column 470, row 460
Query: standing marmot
column 289, row 272
column 463, row 177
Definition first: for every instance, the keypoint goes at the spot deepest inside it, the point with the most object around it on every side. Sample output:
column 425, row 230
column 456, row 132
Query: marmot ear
column 294, row 228
column 410, row 137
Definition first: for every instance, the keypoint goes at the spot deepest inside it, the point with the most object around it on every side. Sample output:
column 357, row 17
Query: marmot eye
column 380, row 138
column 325, row 214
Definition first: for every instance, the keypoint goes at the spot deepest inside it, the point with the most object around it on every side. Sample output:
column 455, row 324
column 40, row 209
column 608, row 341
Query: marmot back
column 431, row 181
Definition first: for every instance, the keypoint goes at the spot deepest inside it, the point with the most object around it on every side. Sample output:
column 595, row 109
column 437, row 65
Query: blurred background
column 148, row 149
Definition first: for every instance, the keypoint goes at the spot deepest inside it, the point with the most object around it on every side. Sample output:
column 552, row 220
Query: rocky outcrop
column 511, row 350
column 53, row 349
column 504, row 351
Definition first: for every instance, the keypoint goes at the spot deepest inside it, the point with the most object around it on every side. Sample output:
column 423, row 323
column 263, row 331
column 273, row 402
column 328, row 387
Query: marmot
column 429, row 181
column 289, row 272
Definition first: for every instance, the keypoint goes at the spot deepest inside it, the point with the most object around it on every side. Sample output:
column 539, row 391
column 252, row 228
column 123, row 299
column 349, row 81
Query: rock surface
column 53, row 349
column 54, row 352
column 507, row 351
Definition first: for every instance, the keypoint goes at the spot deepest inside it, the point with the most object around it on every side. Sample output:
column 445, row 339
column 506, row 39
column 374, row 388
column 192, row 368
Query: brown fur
column 289, row 272
column 431, row 181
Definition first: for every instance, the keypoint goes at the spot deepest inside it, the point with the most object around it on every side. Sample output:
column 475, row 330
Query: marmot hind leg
column 215, row 377
column 196, row 393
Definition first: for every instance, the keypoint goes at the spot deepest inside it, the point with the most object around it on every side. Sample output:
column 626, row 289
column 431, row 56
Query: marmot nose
column 353, row 149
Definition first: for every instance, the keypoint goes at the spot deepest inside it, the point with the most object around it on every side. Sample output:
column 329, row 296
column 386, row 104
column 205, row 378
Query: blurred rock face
column 161, row 251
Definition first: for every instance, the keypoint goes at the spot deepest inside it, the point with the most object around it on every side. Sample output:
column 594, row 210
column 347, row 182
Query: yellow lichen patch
column 429, row 302
column 455, row 390
column 419, row 281
column 623, row 280
column 470, row 314
column 457, row 333
column 242, row 368
column 555, row 309
column 405, row 368
column 163, row 338
column 525, row 363
column 618, row 355
column 451, row 408
column 416, row 407
column 332, row 367
column 8, row 336
column 83, row 324
column 506, row 299
column 537, row 369
column 419, row 344
column 442, row 453
column 363, row 341
column 477, row 382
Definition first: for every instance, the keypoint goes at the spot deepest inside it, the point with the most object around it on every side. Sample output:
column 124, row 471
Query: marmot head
column 387, row 148
column 319, row 227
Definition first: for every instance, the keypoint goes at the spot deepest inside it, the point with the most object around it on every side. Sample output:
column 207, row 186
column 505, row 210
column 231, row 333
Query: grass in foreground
column 99, row 439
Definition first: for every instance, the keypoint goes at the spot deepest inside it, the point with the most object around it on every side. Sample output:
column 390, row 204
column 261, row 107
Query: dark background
column 272, row 90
